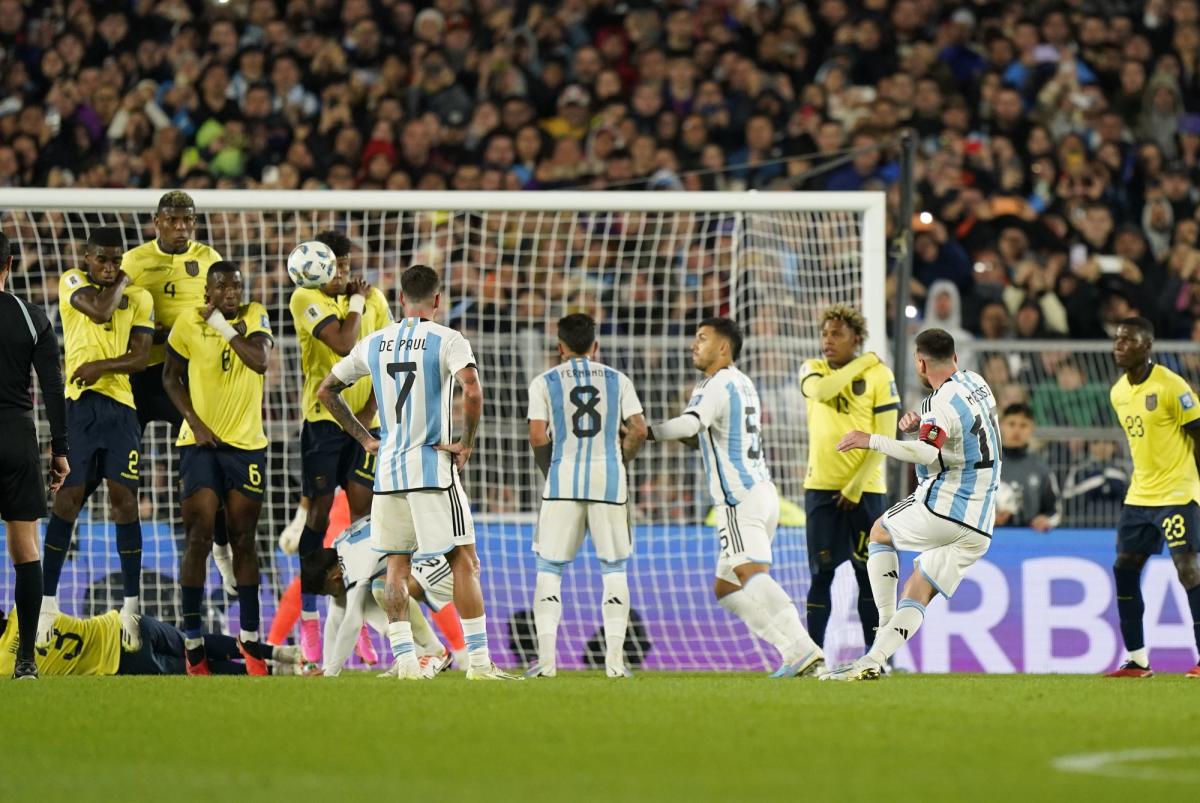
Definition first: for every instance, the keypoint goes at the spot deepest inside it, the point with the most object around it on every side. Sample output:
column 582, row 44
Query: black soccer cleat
column 25, row 670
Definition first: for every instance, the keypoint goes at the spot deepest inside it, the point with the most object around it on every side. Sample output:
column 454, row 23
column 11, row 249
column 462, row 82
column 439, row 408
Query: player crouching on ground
column 352, row 574
column 949, row 518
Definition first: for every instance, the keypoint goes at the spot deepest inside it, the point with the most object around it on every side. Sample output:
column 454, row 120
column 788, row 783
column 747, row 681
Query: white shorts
column 422, row 523
column 436, row 580
column 947, row 549
column 747, row 530
column 563, row 523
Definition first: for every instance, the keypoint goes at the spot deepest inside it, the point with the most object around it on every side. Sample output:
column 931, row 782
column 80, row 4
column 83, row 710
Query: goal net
column 647, row 266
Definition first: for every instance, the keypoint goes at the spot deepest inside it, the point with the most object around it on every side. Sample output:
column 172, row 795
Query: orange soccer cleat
column 1130, row 669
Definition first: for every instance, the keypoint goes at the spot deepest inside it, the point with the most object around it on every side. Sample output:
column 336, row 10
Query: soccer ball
column 311, row 264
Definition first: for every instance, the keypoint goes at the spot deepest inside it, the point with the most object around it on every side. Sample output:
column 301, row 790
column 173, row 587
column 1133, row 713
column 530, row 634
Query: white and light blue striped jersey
column 585, row 403
column 412, row 364
column 960, row 419
column 730, row 438
column 360, row 564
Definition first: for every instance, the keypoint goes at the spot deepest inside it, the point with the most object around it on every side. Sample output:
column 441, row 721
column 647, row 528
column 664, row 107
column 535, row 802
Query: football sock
column 475, row 631
column 868, row 612
column 1193, row 595
column 783, row 615
column 55, row 547
column 1130, row 607
column 746, row 608
column 400, row 637
column 220, row 647
column 447, row 621
column 547, row 612
column 818, row 605
column 308, row 603
column 129, row 548
column 900, row 628
column 249, row 616
column 191, row 599
column 310, row 541
column 614, row 607
column 422, row 634
column 28, row 591
column 883, row 570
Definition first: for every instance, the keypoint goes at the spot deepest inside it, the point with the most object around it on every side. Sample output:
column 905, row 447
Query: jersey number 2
column 985, row 454
column 409, row 369
column 585, row 423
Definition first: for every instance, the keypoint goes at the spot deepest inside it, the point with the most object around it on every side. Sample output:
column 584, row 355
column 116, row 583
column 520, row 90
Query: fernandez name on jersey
column 412, row 364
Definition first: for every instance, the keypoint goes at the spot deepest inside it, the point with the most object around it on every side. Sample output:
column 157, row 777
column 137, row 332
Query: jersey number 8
column 585, row 423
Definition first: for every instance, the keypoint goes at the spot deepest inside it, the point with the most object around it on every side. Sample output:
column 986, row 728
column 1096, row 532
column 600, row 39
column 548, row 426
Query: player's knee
column 464, row 559
column 879, row 533
column 68, row 502
column 747, row 570
column 124, row 503
column 1126, row 561
column 1187, row 566
column 823, row 578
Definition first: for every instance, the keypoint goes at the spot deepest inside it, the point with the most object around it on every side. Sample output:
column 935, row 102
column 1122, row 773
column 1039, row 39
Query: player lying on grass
column 949, row 518
column 93, row 647
column 725, row 413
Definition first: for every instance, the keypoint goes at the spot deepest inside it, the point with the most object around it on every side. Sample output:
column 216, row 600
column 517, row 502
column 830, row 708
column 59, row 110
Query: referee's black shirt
column 27, row 340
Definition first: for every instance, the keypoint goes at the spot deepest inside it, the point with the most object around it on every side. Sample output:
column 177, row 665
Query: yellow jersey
column 77, row 647
column 867, row 394
column 312, row 310
column 1157, row 416
column 175, row 281
column 88, row 341
column 226, row 393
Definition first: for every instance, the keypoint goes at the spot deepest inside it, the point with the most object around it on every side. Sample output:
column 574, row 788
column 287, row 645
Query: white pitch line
column 1130, row 764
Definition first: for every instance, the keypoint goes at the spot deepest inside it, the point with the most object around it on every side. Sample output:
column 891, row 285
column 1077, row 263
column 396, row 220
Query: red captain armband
column 932, row 434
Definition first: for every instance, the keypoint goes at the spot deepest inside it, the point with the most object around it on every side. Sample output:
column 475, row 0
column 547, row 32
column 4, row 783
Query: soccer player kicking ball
column 108, row 325
column 724, row 413
column 949, row 518
column 216, row 359
column 1161, row 419
column 419, row 507
column 577, row 412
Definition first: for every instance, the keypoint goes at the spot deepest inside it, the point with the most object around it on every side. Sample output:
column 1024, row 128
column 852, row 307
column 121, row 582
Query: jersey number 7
column 409, row 369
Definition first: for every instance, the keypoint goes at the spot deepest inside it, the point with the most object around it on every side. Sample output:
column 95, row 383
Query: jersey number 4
column 585, row 423
column 409, row 369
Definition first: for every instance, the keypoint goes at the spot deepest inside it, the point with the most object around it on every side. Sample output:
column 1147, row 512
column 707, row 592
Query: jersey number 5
column 585, row 423
column 755, row 450
column 409, row 369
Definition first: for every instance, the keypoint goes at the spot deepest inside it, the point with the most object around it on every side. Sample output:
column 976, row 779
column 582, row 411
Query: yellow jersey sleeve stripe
column 321, row 324
column 885, row 407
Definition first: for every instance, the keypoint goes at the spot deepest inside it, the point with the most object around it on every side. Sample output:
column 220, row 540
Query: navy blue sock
column 310, row 541
column 55, row 547
column 818, row 605
column 1193, row 595
column 308, row 603
column 191, row 598
column 1130, row 607
column 129, row 547
column 28, row 591
column 248, row 610
column 868, row 613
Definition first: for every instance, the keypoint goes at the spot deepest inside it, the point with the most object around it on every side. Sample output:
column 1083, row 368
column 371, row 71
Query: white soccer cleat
column 289, row 654
column 131, row 634
column 223, row 557
column 621, row 671
column 815, row 670
column 409, row 670
column 862, row 669
column 490, row 672
column 289, row 536
column 45, row 628
column 540, row 671
column 432, row 665
column 800, row 665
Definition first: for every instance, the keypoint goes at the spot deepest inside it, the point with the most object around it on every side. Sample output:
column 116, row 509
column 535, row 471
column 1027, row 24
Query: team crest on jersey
column 1187, row 401
column 859, row 386
column 192, row 267
column 124, row 303
column 1152, row 402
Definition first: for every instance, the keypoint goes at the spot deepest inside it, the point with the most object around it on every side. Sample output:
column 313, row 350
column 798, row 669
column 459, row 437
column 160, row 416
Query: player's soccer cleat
column 858, row 670
column 223, row 557
column 365, row 649
column 431, row 665
column 255, row 665
column 198, row 668
column 1194, row 672
column 45, row 628
column 1131, row 669
column 798, row 666
column 131, row 634
column 815, row 669
column 289, row 654
column 490, row 672
column 409, row 670
column 540, row 671
column 310, row 639
column 25, row 670
column 618, row 671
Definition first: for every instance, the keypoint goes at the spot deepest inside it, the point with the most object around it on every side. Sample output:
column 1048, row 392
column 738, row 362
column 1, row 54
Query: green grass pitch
column 581, row 737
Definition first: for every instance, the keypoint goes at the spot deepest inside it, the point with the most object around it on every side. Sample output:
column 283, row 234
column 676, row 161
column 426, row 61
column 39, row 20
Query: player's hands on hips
column 854, row 439
column 87, row 374
column 371, row 445
column 844, row 503
column 59, row 469
column 459, row 453
column 205, row 438
column 910, row 421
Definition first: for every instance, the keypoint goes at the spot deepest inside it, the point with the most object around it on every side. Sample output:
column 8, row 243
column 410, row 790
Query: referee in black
column 27, row 340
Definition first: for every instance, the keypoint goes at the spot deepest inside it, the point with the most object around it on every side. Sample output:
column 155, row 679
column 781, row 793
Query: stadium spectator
column 1032, row 498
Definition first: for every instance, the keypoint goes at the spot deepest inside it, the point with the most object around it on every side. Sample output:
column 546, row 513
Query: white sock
column 247, row 635
column 746, row 608
column 899, row 629
column 475, row 634
column 883, row 567
column 784, row 616
column 307, row 615
column 1141, row 657
column 50, row 603
column 422, row 633
column 400, row 636
column 614, row 606
column 547, row 612
column 132, row 605
column 300, row 516
column 193, row 643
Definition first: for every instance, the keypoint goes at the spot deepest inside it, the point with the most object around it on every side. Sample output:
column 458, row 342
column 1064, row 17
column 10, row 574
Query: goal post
column 647, row 265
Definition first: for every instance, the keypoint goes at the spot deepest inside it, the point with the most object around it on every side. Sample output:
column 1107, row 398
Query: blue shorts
column 835, row 536
column 329, row 457
column 222, row 470
column 105, row 439
column 1143, row 530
